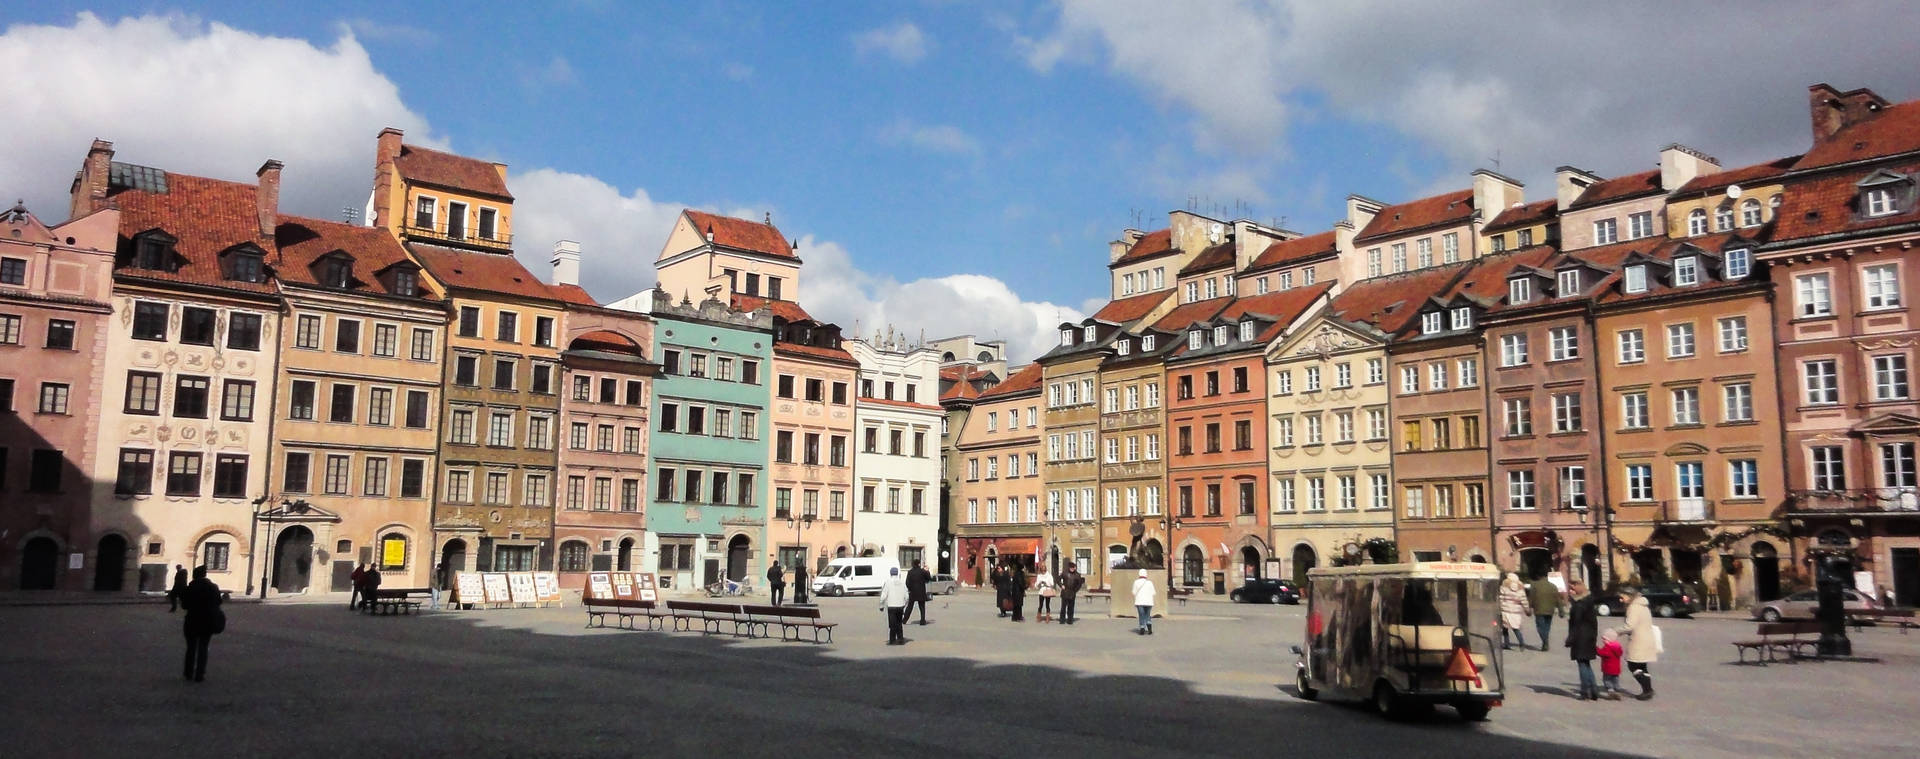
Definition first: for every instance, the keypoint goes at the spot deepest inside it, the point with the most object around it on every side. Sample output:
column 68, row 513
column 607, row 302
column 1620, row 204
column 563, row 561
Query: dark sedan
column 1266, row 591
column 1664, row 600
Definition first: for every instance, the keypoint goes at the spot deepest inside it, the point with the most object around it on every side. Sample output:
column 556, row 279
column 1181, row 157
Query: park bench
column 624, row 610
column 1179, row 594
column 1902, row 617
column 789, row 618
column 710, row 615
column 1774, row 637
column 396, row 600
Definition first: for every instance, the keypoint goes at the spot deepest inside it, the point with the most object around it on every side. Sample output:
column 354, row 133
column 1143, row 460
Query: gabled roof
column 1279, row 309
column 1212, row 258
column 741, row 234
column 1155, row 244
column 1830, row 204
column 1392, row 302
column 303, row 241
column 1487, row 281
column 1027, row 379
column 1537, row 212
column 1186, row 314
column 1619, row 188
column 448, row 170
column 1758, row 172
column 1447, row 208
column 1127, row 309
column 205, row 217
column 785, row 310
column 485, row 272
column 1289, row 251
column 1895, row 131
column 1661, row 254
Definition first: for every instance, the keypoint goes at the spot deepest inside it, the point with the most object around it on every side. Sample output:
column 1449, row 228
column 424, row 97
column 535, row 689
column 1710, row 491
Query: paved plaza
column 310, row 679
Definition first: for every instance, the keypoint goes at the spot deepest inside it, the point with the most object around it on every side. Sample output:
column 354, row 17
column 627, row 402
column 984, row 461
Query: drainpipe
column 273, row 418
column 1602, row 512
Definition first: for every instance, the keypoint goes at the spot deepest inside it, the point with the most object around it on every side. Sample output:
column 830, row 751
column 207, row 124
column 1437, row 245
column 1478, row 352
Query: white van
column 858, row 575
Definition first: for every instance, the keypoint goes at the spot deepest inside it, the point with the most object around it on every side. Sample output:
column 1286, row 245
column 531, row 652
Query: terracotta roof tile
column 1389, row 303
column 1155, row 244
column 574, row 294
column 1896, row 130
column 205, row 217
column 786, row 310
column 1210, row 259
column 303, row 241
column 1524, row 216
column 1743, row 175
column 815, row 351
column 1186, row 314
column 485, row 272
column 741, row 234
column 960, row 391
column 1606, row 293
column 1453, row 207
column 1128, row 309
column 1619, row 188
column 1024, row 380
column 1487, row 282
column 448, row 170
column 1281, row 307
column 1288, row 251
column 1830, row 204
column 605, row 341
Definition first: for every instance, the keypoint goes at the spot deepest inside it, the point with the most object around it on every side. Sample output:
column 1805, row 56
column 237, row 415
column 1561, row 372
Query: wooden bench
column 710, row 615
column 1902, row 617
column 396, row 600
column 1179, row 594
column 1778, row 636
column 789, row 618
column 625, row 610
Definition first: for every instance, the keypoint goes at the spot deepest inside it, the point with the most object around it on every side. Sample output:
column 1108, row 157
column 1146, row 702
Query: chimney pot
column 267, row 196
column 566, row 262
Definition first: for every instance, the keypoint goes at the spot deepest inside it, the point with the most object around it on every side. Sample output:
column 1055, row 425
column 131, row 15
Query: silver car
column 1801, row 605
column 942, row 585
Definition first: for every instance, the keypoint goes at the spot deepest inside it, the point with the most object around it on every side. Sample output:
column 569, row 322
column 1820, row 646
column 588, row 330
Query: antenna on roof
column 349, row 215
column 769, row 218
column 1496, row 159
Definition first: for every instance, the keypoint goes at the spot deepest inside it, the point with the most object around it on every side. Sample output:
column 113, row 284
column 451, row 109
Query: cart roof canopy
column 1420, row 570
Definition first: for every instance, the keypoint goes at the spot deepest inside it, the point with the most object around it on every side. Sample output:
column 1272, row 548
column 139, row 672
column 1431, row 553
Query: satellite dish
column 1216, row 232
column 1733, row 191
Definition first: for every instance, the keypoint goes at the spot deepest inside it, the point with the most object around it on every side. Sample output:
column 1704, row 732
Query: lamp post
column 253, row 538
column 286, row 507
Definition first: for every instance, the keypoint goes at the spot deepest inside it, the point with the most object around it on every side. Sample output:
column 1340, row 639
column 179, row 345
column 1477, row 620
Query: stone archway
column 1304, row 559
column 1766, row 571
column 293, row 560
column 1250, row 562
column 739, row 552
column 110, row 563
column 39, row 564
column 623, row 561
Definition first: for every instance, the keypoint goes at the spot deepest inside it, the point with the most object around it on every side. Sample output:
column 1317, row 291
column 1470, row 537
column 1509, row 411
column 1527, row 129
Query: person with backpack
column 201, row 598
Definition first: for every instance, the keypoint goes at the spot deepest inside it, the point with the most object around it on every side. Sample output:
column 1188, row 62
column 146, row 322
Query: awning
column 1000, row 546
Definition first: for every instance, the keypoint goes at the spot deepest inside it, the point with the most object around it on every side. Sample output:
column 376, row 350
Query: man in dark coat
column 359, row 578
column 201, row 599
column 179, row 586
column 917, row 579
column 1583, row 634
column 800, row 582
column 777, row 581
column 1070, row 585
column 1017, row 591
column 998, row 576
column 373, row 587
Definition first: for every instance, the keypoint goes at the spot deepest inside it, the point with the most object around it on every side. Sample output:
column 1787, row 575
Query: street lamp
column 286, row 507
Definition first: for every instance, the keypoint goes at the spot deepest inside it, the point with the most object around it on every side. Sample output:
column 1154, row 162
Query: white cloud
column 933, row 138
column 903, row 42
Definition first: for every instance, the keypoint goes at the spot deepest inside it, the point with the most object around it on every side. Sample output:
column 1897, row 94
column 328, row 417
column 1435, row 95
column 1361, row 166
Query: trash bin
column 1219, row 583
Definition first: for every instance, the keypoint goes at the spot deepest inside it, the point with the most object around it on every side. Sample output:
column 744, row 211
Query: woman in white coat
column 1143, row 597
column 1643, row 641
column 1513, row 610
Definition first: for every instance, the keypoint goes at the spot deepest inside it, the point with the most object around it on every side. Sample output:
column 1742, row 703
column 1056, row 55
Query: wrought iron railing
column 1900, row 499
column 440, row 229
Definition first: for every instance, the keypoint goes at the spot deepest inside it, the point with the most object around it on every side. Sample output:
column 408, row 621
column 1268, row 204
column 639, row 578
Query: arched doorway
column 110, row 563
column 1250, row 561
column 453, row 557
column 1535, row 563
column 623, row 561
column 1303, row 560
column 1766, row 572
column 1590, row 566
column 1193, row 566
column 39, row 564
column 293, row 560
column 738, row 551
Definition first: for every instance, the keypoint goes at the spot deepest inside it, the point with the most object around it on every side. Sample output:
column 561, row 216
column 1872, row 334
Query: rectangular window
column 1563, row 343
column 459, row 486
column 380, row 406
column 1519, row 416
column 462, row 429
column 1415, row 499
column 1883, row 286
column 143, row 393
column 1399, row 257
column 183, row 473
column 1686, row 405
column 340, row 408
column 1606, row 231
column 1639, row 482
column 413, row 478
column 1680, row 341
column 507, row 327
column 1821, row 380
column 136, row 472
column 60, row 334
column 466, row 371
column 346, row 336
column 10, row 329
column 1814, row 294
column 1890, row 377
column 1640, row 225
column 373, row 480
column 149, row 321
column 1513, row 349
column 1686, row 271
column 1737, row 402
column 503, row 371
column 334, row 479
column 1566, row 413
column 1829, row 468
column 1739, row 263
column 1468, row 371
column 1573, row 487
column 196, row 325
column 500, row 430
column 295, row 478
column 1633, row 346
column 1743, row 478
column 1733, row 334
column 417, row 408
column 1633, row 411
column 1520, row 492
column 1283, row 498
column 236, row 400
column 496, row 489
column 1423, row 252
column 190, row 396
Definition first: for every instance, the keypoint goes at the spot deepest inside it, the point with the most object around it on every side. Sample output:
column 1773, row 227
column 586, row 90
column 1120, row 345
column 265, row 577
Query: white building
column 896, row 466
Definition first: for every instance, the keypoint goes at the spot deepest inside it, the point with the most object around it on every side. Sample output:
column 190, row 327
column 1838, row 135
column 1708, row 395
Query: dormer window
column 1739, row 263
column 1120, row 347
column 1246, row 331
column 1499, row 243
column 1066, row 337
column 1525, row 237
column 1636, row 278
column 1686, row 271
column 1146, row 342
column 1220, row 335
column 153, row 251
column 1519, row 290
column 1568, row 284
column 1880, row 201
column 1697, row 222
column 1087, row 333
column 1462, row 317
column 1430, row 323
column 1195, row 339
column 336, row 271
column 245, row 266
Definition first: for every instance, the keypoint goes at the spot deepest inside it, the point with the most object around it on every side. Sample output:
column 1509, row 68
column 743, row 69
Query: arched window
column 573, row 556
column 1697, row 222
column 1750, row 213
column 1193, row 564
column 1723, row 217
column 393, row 552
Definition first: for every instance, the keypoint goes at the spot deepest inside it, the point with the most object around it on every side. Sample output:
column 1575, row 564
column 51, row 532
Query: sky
column 947, row 167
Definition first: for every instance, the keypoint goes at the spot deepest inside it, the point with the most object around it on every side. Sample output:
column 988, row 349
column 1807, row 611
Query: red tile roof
column 1487, row 282
column 1619, row 188
column 1128, row 309
column 900, row 404
column 606, row 342
column 448, row 170
column 205, row 217
column 1830, row 204
column 1448, row 208
column 816, row 352
column 574, row 294
column 1212, row 258
column 1389, row 303
column 1288, row 251
column 1664, row 249
column 303, row 241
column 1894, row 131
column 1743, row 175
column 1024, row 380
column 741, row 234
column 1155, row 244
column 1186, row 314
column 960, row 391
column 1524, row 216
column 485, row 272
column 784, row 309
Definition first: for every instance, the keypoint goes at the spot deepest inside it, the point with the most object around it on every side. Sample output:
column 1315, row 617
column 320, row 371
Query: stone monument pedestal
column 1122, row 584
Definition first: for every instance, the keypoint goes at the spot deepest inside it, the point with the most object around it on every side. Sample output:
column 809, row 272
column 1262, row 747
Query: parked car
column 1802, row 605
column 1266, row 590
column 1664, row 599
column 942, row 585
column 853, row 575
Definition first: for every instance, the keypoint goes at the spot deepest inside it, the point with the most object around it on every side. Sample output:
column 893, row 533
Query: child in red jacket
column 1610, row 653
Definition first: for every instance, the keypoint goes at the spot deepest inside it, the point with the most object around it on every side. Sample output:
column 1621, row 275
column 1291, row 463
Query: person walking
column 1143, row 597
column 359, row 578
column 776, row 581
column 1610, row 652
column 1583, row 633
column 1017, row 592
column 917, row 579
column 997, row 575
column 438, row 584
column 893, row 601
column 1047, row 590
column 1546, row 601
column 1643, row 642
column 179, row 586
column 800, row 582
column 372, row 593
column 201, row 599
column 1513, row 610
column 1070, row 584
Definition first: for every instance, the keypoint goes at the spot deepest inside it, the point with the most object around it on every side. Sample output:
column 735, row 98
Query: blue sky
column 938, row 159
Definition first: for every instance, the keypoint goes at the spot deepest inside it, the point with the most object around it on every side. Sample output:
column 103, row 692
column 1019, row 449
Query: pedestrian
column 893, row 601
column 1070, row 585
column 1643, row 640
column 1143, row 597
column 776, row 581
column 179, row 586
column 438, row 584
column 1513, row 610
column 800, row 582
column 201, row 599
column 1046, row 590
column 359, row 578
column 1545, row 599
column 1017, row 592
column 917, row 579
column 998, row 576
column 1610, row 652
column 1583, row 631
column 372, row 593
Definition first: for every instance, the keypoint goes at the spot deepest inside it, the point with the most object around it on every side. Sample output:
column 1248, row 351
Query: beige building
column 996, row 495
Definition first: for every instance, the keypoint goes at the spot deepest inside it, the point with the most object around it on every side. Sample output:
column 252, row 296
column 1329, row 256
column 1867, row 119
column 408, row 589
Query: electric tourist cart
column 1404, row 637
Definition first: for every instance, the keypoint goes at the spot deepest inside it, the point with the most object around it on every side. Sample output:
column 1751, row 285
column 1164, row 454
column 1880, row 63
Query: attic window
column 1246, row 331
column 1195, row 339
column 336, row 272
column 1637, row 278
column 1120, row 347
column 153, row 251
column 1686, row 271
column 1739, row 263
column 1087, row 334
column 406, row 282
column 1568, row 284
column 1880, row 202
column 1146, row 342
column 1066, row 337
column 1430, row 323
column 1220, row 335
column 245, row 266
column 1462, row 317
column 1519, row 290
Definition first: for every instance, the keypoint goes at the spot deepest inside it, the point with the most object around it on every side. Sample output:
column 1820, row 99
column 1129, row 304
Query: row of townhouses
column 1693, row 373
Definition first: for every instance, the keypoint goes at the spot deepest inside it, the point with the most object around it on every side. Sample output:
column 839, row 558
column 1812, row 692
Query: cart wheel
column 1387, row 702
column 1473, row 711
column 1300, row 686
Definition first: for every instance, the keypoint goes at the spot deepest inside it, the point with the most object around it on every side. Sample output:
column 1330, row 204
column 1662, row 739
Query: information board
column 546, row 587
column 520, row 587
column 599, row 585
column 468, row 588
column 623, row 586
column 643, row 587
column 497, row 592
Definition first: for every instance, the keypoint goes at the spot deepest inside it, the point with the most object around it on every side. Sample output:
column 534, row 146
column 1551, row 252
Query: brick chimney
column 386, row 149
column 89, row 191
column 1118, row 248
column 1833, row 110
column 566, row 263
column 1679, row 165
column 266, row 196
